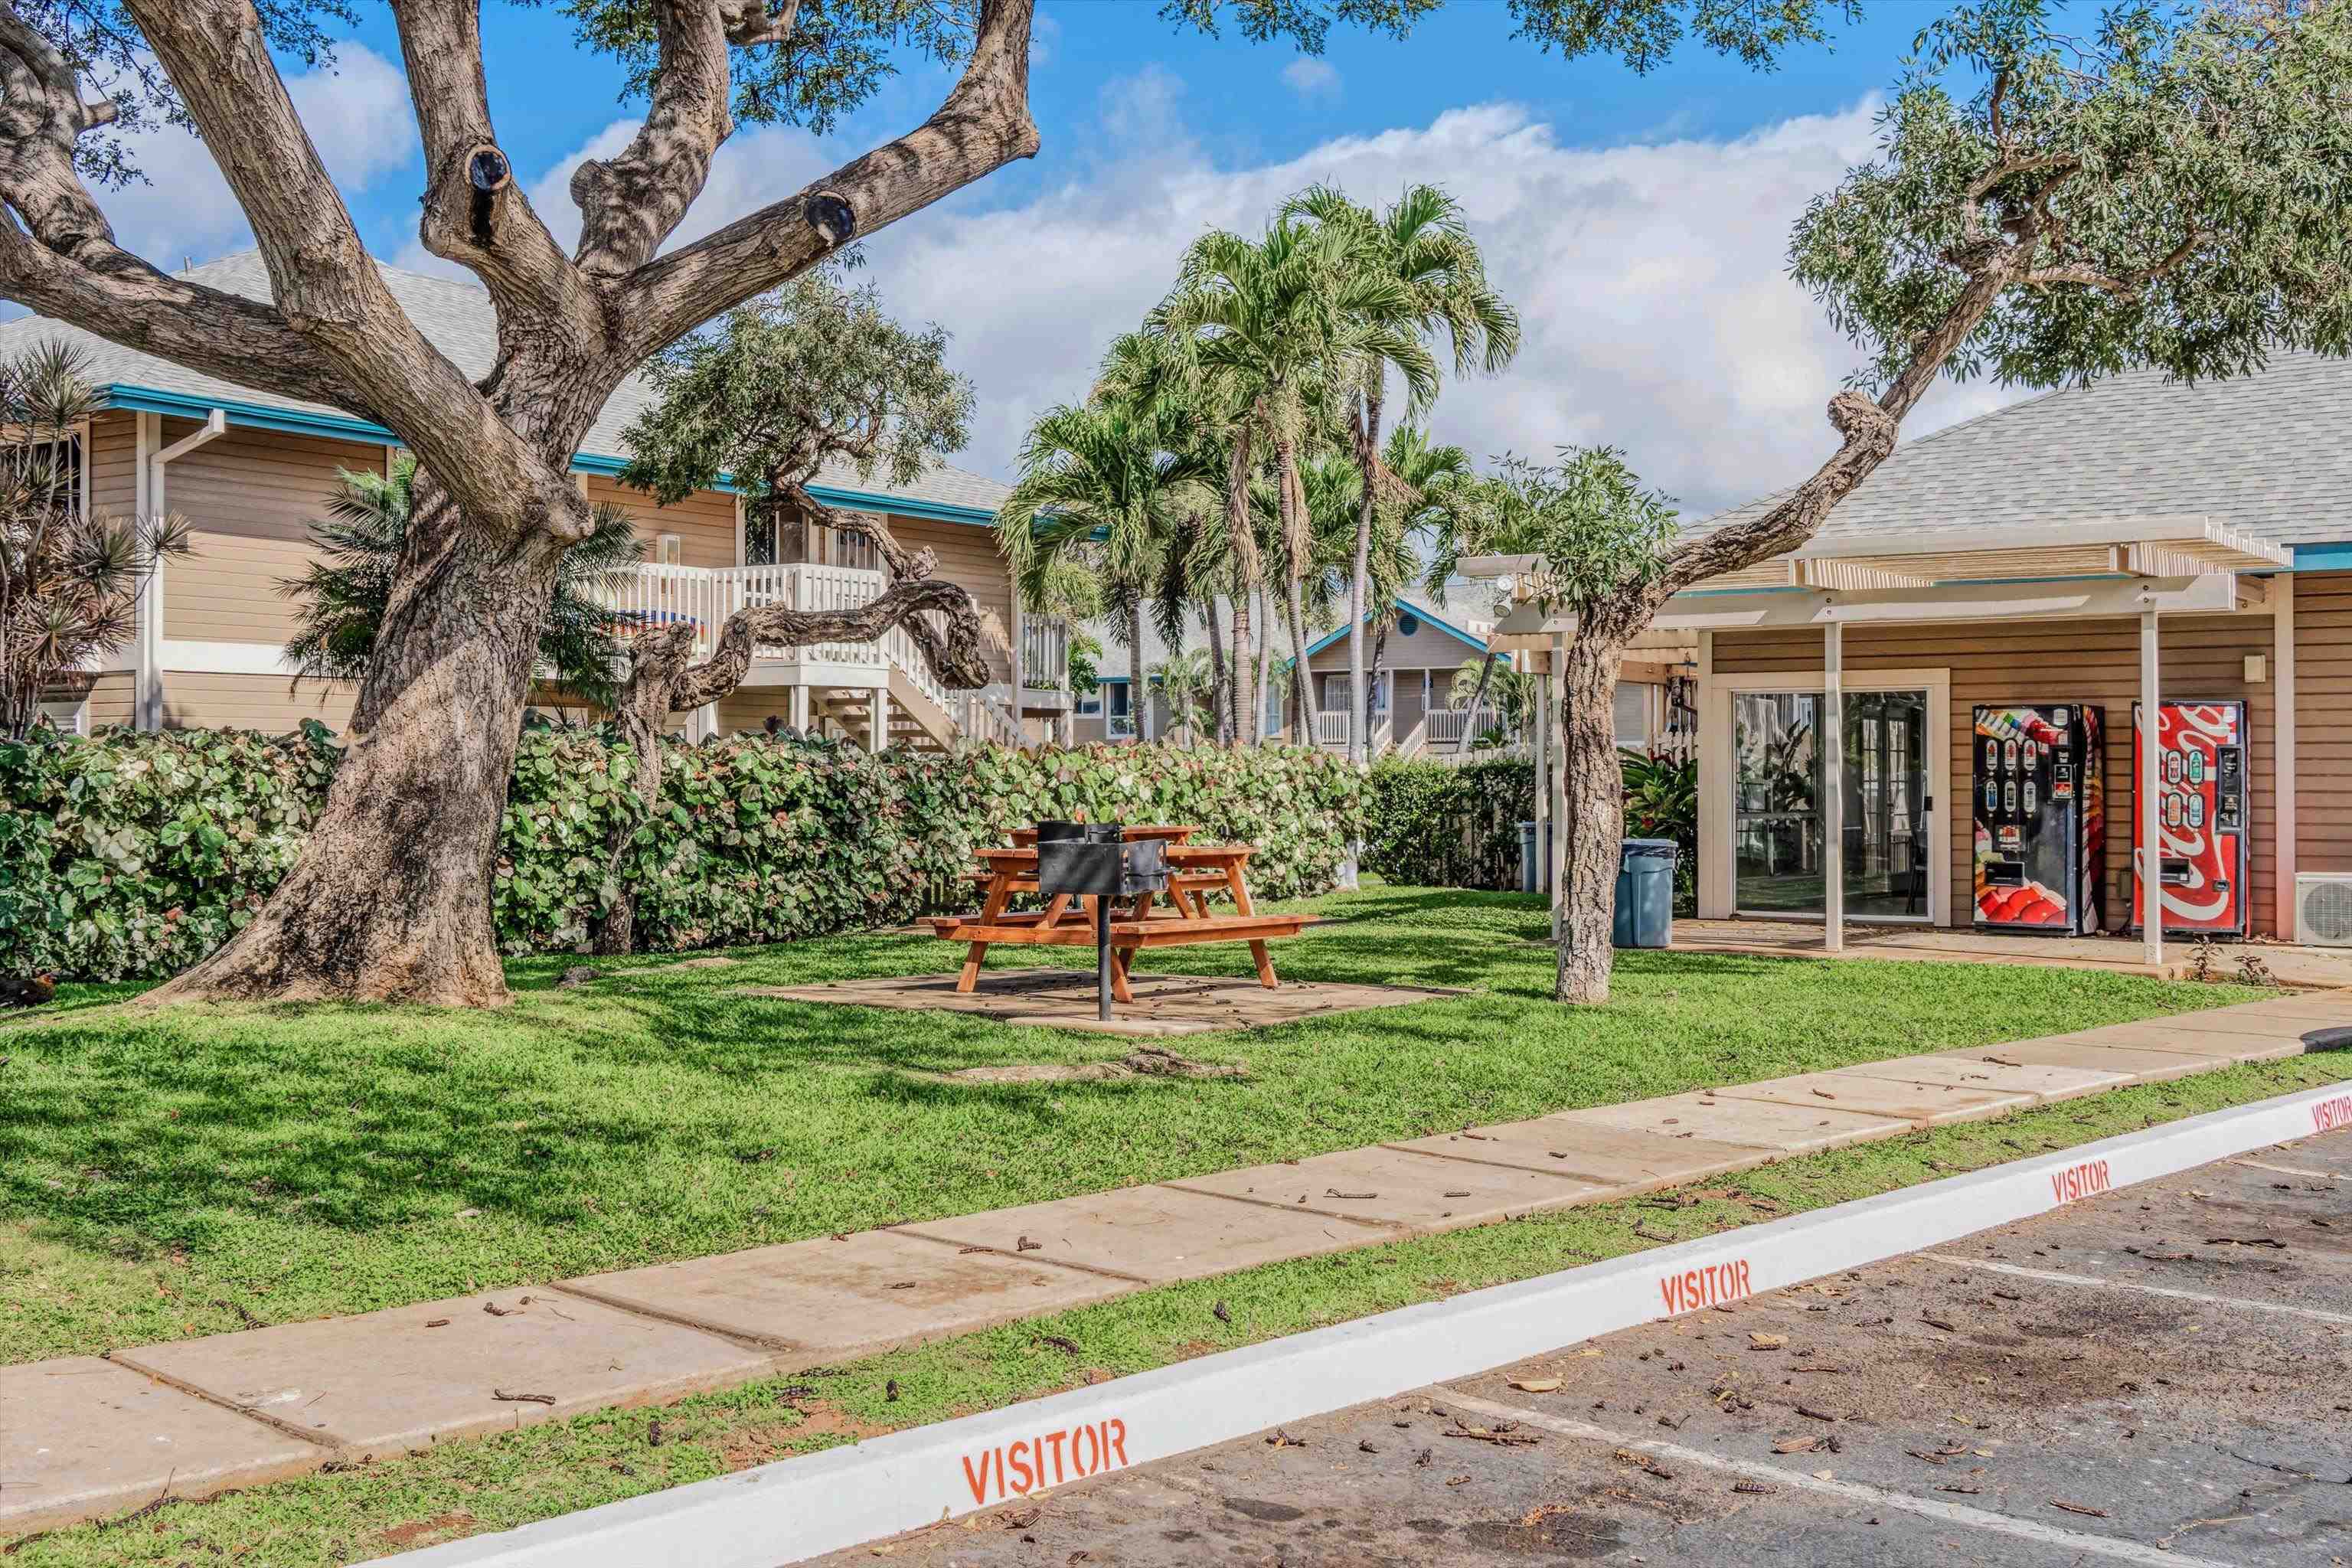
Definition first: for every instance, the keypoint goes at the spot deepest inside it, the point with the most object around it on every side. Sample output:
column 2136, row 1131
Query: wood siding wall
column 2322, row 740
column 967, row 555
column 252, row 496
column 113, row 462
column 2089, row 662
column 269, row 703
column 704, row 521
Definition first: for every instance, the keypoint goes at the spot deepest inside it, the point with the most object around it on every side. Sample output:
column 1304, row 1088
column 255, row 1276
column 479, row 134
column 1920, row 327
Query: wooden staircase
column 911, row 717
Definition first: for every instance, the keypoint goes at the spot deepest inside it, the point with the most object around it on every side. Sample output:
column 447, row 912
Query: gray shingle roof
column 456, row 319
column 2266, row 454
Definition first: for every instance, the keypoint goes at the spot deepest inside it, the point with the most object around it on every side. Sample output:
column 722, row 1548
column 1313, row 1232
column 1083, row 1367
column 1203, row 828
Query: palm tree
column 1205, row 408
column 1103, row 486
column 1490, row 678
column 1271, row 320
column 1308, row 541
column 341, row 598
column 1431, row 486
column 69, row 583
column 1422, row 243
column 1184, row 677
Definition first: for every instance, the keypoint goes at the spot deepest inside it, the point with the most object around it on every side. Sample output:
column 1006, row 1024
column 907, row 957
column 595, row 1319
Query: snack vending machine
column 2201, row 820
column 2040, row 805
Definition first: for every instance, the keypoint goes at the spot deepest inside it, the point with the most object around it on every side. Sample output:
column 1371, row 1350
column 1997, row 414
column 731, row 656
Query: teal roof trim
column 342, row 427
column 1336, row 633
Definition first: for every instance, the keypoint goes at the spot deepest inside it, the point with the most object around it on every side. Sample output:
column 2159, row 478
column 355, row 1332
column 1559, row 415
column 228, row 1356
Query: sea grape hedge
column 1441, row 824
column 132, row 856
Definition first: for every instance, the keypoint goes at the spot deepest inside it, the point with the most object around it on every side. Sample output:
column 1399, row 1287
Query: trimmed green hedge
column 1441, row 825
column 132, row 855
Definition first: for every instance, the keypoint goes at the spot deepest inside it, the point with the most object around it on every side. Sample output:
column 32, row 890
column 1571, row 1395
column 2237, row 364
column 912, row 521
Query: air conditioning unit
column 2323, row 909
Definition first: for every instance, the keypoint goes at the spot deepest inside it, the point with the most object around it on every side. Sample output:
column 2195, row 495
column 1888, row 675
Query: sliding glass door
column 1779, row 853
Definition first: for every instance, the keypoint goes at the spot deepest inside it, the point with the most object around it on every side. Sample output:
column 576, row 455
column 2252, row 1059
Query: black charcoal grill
column 1093, row 861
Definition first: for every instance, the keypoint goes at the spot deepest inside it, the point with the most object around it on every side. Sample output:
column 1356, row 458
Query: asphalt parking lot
column 2159, row 1375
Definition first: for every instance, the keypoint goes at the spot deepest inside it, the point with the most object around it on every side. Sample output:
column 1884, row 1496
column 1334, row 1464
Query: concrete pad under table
column 1921, row 1103
column 1420, row 1191
column 385, row 1381
column 2183, row 1038
column 1155, row 1235
column 1627, row 1162
column 2066, row 1051
column 1758, row 1124
column 868, row 1293
column 81, row 1438
column 1164, row 1005
column 2041, row 1080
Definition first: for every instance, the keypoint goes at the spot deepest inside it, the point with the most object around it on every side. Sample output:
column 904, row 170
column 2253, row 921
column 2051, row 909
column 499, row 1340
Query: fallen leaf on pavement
column 1535, row 1385
column 2081, row 1508
column 1796, row 1445
column 1767, row 1342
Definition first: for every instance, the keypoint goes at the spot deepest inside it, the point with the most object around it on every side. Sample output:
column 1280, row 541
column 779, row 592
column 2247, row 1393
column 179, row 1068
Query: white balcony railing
column 1443, row 726
column 1044, row 652
column 707, row 595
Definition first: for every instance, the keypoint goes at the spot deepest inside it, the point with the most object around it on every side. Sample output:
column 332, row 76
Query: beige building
column 251, row 471
column 2133, row 546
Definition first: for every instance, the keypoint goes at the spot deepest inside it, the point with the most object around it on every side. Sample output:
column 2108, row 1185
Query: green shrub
column 1446, row 825
column 132, row 855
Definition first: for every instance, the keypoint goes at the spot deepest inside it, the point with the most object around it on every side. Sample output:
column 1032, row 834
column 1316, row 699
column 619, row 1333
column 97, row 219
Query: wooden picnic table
column 1195, row 871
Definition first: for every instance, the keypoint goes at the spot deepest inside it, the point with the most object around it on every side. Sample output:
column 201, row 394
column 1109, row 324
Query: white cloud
column 1311, row 78
column 1649, row 279
column 359, row 117
column 1648, row 275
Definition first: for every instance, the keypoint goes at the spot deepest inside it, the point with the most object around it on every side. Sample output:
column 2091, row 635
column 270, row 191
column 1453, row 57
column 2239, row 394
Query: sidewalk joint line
column 317, row 1439
column 1913, row 1123
column 2099, row 1282
column 1400, row 1227
column 1022, row 1257
column 639, row 1309
column 1618, row 1187
column 2121, row 1547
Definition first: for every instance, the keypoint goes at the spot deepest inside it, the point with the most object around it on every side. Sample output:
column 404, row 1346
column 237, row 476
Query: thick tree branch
column 474, row 214
column 630, row 204
column 982, row 124
column 1866, row 431
column 2121, row 285
column 63, row 260
column 328, row 287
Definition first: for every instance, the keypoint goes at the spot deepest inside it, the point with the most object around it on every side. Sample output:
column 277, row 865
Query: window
column 669, row 550
column 1090, row 703
column 1634, row 704
column 1118, row 710
column 55, row 467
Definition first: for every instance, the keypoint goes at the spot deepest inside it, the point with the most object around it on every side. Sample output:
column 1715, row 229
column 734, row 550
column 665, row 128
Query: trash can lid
column 1661, row 848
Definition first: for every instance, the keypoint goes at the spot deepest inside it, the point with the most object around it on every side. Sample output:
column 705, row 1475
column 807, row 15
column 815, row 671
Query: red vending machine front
column 2200, row 820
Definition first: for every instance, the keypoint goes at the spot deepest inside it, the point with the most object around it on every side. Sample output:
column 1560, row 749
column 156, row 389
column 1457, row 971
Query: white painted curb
column 801, row 1508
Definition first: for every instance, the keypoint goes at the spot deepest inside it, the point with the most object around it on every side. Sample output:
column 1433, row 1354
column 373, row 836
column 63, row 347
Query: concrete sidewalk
column 81, row 1438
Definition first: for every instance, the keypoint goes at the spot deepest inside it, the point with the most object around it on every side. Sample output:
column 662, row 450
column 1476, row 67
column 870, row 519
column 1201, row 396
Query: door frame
column 1717, row 845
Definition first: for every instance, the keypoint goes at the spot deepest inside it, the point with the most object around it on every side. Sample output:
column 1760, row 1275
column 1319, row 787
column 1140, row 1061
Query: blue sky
column 1637, row 221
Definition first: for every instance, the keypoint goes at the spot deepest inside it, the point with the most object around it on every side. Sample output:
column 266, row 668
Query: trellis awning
column 2172, row 563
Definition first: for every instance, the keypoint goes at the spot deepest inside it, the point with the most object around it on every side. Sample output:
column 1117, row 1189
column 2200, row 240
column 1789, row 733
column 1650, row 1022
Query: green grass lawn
column 461, row 1488
column 194, row 1171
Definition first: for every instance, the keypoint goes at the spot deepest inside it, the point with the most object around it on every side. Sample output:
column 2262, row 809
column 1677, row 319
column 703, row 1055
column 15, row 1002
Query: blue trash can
column 1646, row 893
column 1530, row 868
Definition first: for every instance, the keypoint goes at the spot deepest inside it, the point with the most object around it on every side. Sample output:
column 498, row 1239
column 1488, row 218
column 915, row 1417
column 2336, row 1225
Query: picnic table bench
column 1195, row 872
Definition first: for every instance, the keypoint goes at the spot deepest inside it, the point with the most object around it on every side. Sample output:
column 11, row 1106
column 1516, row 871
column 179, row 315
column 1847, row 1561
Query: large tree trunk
column 1593, row 782
column 1220, row 679
column 1380, row 652
column 1291, row 508
column 1477, row 701
column 1241, row 538
column 391, row 899
column 1139, row 694
column 1367, row 446
column 1264, row 683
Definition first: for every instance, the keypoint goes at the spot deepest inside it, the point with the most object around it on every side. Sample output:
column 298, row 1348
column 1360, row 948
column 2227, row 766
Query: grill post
column 1102, row 958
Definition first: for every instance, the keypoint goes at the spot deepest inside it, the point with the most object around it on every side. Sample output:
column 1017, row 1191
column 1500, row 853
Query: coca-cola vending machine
column 2202, row 825
column 2040, row 805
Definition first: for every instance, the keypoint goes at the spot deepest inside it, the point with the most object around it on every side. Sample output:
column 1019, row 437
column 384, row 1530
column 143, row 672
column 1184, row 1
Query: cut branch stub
column 832, row 216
